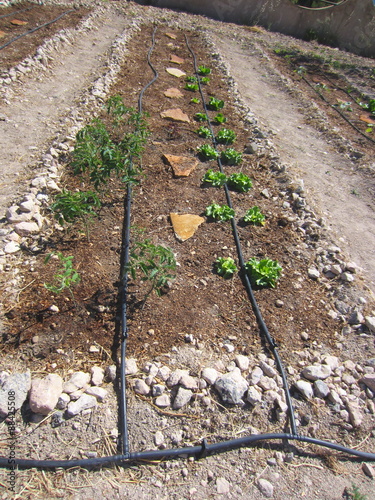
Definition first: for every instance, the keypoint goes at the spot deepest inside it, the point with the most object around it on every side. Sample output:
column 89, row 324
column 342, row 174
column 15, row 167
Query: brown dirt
column 198, row 301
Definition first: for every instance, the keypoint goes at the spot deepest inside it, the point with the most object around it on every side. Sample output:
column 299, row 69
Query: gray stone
column 110, row 373
column 189, row 382
column 222, row 486
column 369, row 381
column 331, row 361
column 158, row 438
column 356, row 318
column 175, row 377
column 304, row 388
column 368, row 470
column 231, row 387
column 17, row 386
column 316, row 372
column 265, row 487
column 255, row 375
column 164, row 373
column 321, row 389
column 267, row 369
column 97, row 375
column 98, row 392
column 45, row 393
column 85, row 402
column 182, row 398
column 63, row 401
column 267, row 384
column 12, row 247
column 210, row 375
column 370, row 323
column 355, row 415
column 157, row 390
column 140, row 387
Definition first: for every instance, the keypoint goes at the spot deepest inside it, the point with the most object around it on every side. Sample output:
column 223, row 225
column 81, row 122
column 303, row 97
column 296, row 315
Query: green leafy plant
column 192, row 87
column 215, row 104
column 204, row 132
column 220, row 118
column 105, row 149
column 264, row 272
column 207, row 152
column 204, row 80
column 254, row 216
column 195, row 100
column 203, row 70
column 66, row 277
column 219, row 212
column 240, row 182
column 231, row 157
column 369, row 106
column 191, row 79
column 156, row 263
column 347, row 106
column 201, row 117
column 216, row 179
column 226, row 136
column 225, row 267
column 354, row 494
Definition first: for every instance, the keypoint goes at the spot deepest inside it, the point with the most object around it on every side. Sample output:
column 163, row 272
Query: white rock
column 253, row 396
column 232, row 386
column 45, row 393
column 97, row 375
column 182, row 398
column 12, row 247
column 52, row 186
column 321, row 389
column 140, row 387
column 313, row 273
column 39, row 182
column 175, row 377
column 265, row 487
column 267, row 369
column 331, row 361
column 267, row 383
column 304, row 388
column 78, row 380
column 158, row 390
column 83, row 403
column 189, row 382
column 347, row 277
column 355, row 415
column 242, row 362
column 163, row 401
column 98, row 392
column 210, row 375
column 334, row 397
column 317, row 372
column 368, row 470
column 110, row 373
column 131, row 366
column 222, row 486
column 163, row 373
column 255, row 376
column 16, row 385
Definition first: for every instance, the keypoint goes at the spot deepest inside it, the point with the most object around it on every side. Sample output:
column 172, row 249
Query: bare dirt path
column 35, row 113
column 329, row 177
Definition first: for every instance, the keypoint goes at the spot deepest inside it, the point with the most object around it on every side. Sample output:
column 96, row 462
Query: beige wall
column 350, row 26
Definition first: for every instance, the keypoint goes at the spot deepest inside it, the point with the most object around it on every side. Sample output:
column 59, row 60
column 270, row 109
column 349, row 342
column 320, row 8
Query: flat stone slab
column 176, row 115
column 185, row 225
column 175, row 72
column 181, row 165
column 173, row 93
column 177, row 60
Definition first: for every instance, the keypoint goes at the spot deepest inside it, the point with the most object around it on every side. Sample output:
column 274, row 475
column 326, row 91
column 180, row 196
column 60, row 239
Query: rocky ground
column 195, row 355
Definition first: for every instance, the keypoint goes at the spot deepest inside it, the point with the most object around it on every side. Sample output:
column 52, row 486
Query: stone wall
column 349, row 26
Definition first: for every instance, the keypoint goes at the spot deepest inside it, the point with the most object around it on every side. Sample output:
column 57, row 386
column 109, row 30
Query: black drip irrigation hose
column 245, row 277
column 16, row 12
column 338, row 111
column 124, row 276
column 35, row 29
column 199, row 451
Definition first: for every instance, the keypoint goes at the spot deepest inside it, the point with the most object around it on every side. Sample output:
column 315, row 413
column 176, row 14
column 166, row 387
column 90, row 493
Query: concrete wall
column 349, row 26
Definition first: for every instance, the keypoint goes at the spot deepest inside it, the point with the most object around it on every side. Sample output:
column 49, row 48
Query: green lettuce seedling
column 254, row 216
column 207, row 152
column 216, row 179
column 225, row 267
column 264, row 272
column 240, row 182
column 219, row 212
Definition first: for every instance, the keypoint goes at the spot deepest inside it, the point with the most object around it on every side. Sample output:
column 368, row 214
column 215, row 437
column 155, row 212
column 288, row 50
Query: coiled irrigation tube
column 249, row 289
column 199, row 451
column 36, row 29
